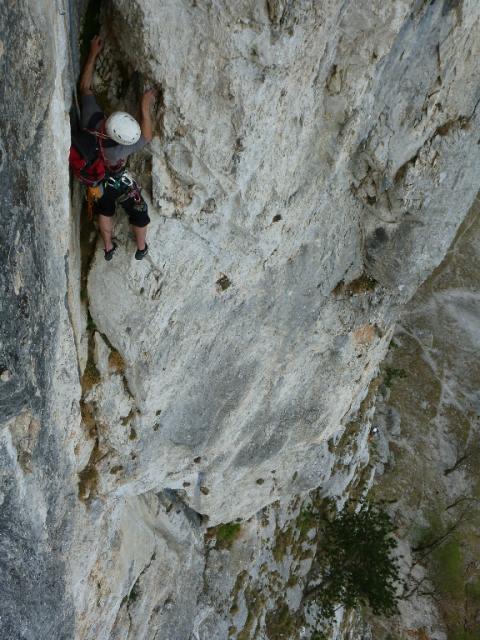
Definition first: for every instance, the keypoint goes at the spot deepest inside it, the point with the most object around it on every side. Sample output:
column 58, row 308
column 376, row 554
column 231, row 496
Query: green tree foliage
column 357, row 563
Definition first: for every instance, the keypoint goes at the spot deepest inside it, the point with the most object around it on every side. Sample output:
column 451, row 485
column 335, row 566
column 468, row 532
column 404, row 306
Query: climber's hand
column 148, row 99
column 96, row 45
column 86, row 79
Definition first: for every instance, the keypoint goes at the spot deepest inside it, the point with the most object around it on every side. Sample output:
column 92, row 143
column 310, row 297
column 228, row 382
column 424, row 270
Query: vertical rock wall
column 311, row 166
column 39, row 389
column 308, row 174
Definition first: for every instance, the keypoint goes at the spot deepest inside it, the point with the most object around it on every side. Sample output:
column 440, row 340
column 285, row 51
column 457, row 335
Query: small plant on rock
column 225, row 534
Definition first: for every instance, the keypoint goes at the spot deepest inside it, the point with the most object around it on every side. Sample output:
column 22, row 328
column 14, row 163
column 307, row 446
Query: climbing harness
column 126, row 186
column 121, row 182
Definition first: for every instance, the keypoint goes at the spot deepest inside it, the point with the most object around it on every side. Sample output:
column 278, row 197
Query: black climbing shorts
column 134, row 205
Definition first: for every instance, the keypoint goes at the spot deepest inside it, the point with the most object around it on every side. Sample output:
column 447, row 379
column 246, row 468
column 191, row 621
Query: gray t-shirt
column 115, row 154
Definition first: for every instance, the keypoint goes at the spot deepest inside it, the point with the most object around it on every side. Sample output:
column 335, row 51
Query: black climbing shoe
column 140, row 253
column 109, row 254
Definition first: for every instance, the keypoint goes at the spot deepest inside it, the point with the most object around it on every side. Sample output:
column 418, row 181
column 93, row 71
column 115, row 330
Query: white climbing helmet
column 122, row 128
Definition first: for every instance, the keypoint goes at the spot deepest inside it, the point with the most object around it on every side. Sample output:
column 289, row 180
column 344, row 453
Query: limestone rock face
column 312, row 165
column 39, row 386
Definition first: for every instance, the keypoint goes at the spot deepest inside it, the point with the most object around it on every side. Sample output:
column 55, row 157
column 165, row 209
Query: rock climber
column 121, row 135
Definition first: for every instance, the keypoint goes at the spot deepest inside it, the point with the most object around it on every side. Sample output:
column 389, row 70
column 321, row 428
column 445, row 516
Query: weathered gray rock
column 137, row 570
column 294, row 158
column 39, row 389
column 312, row 165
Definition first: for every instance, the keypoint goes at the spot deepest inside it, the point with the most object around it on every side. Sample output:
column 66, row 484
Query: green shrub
column 358, row 567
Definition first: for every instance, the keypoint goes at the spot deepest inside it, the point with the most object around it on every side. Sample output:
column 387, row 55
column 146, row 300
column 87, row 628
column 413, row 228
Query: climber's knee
column 140, row 220
column 108, row 213
column 137, row 210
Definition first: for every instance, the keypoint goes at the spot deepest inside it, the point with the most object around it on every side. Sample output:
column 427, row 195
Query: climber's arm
column 86, row 79
column 146, row 104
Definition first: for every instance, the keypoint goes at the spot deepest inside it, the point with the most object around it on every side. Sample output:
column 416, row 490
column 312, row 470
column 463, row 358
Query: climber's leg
column 105, row 224
column 137, row 211
column 140, row 235
column 104, row 207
